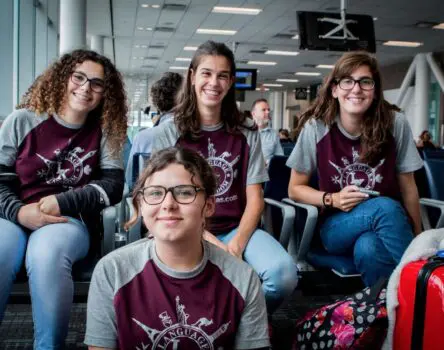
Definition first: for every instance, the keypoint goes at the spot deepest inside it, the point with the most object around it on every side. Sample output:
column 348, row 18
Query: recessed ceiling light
column 325, row 66
column 272, row 85
column 283, row 80
column 236, row 10
column 145, row 5
column 190, row 48
column 148, row 28
column 140, row 28
column 183, row 59
column 439, row 26
column 281, row 53
column 155, row 6
column 402, row 43
column 136, row 46
column 262, row 89
column 375, row 18
column 295, row 37
column 178, row 68
column 215, row 31
column 143, row 46
column 262, row 63
column 308, row 74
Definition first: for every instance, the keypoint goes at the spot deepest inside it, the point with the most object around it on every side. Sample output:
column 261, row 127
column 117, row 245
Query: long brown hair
column 186, row 113
column 48, row 94
column 378, row 120
column 191, row 160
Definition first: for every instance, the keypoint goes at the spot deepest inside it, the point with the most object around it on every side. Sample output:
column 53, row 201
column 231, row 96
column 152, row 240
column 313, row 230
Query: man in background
column 260, row 110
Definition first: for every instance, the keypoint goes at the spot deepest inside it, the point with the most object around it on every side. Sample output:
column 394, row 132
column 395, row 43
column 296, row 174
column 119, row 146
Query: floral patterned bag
column 356, row 322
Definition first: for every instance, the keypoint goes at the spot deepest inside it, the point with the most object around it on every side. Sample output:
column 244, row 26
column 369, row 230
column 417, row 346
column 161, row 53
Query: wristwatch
column 327, row 200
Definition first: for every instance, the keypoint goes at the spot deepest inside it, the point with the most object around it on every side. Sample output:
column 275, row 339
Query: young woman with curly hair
column 60, row 165
column 354, row 141
column 206, row 119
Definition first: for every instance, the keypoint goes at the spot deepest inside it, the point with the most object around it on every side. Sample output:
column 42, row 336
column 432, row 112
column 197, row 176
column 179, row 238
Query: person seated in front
column 354, row 140
column 175, row 291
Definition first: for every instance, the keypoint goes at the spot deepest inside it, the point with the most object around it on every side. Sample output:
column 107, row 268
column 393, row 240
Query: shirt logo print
column 181, row 335
column 67, row 169
column 222, row 168
column 356, row 173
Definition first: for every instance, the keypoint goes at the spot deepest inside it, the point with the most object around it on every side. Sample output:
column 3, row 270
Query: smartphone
column 369, row 192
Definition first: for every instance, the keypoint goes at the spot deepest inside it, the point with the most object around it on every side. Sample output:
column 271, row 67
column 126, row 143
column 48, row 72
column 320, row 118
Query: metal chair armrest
column 288, row 215
column 434, row 203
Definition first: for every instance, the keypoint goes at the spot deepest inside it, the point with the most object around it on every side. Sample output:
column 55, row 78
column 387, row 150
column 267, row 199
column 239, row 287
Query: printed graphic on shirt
column 68, row 167
column 223, row 169
column 356, row 173
column 181, row 335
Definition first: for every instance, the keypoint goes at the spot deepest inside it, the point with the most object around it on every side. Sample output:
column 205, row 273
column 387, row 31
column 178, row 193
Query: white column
column 72, row 25
column 277, row 105
column 422, row 87
column 97, row 42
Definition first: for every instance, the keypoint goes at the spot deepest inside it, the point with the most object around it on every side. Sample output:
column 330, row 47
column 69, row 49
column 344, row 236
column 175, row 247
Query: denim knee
column 390, row 207
column 280, row 280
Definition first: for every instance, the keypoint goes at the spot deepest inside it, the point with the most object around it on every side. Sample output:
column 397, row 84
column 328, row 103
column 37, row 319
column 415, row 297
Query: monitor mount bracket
column 341, row 25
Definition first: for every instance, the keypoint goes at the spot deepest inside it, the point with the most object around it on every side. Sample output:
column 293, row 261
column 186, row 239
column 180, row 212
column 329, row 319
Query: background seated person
column 175, row 288
column 163, row 96
column 284, row 136
column 207, row 120
column 425, row 141
column 352, row 138
column 260, row 110
column 60, row 165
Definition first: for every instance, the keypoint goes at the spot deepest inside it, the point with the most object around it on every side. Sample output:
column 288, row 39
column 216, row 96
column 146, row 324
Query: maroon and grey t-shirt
column 137, row 302
column 50, row 156
column 237, row 160
column 334, row 154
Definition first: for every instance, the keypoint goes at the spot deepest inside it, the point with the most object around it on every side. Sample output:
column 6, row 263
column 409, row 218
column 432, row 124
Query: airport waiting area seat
column 305, row 245
column 432, row 192
column 287, row 147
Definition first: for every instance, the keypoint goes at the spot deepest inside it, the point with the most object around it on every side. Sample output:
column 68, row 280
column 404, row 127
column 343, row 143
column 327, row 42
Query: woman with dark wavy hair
column 364, row 155
column 206, row 119
column 60, row 165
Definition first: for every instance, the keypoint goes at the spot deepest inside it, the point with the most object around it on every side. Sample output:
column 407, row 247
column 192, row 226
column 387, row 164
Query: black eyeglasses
column 182, row 194
column 349, row 83
column 80, row 79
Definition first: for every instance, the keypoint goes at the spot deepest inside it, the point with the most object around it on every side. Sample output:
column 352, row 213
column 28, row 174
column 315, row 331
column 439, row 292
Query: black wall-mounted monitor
column 245, row 79
column 311, row 27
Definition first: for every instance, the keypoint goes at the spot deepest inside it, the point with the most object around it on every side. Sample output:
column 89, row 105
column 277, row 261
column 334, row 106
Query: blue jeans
column 376, row 232
column 50, row 253
column 275, row 267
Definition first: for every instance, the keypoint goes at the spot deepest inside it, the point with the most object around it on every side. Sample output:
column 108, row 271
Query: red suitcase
column 420, row 314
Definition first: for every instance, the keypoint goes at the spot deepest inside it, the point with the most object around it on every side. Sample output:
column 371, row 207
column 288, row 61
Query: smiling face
column 354, row 102
column 80, row 100
column 211, row 80
column 170, row 221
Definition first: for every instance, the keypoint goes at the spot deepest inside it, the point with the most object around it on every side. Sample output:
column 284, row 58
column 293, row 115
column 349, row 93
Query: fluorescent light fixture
column 287, row 80
column 325, row 66
column 262, row 63
column 155, row 6
column 148, row 28
column 215, row 31
column 145, row 5
column 183, row 59
column 272, row 85
column 296, row 37
column 190, row 48
column 140, row 28
column 178, row 68
column 262, row 89
column 136, row 46
column 402, row 43
column 281, row 53
column 439, row 26
column 236, row 10
column 308, row 74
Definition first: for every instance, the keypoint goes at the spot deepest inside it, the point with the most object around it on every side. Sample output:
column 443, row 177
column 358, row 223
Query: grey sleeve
column 101, row 324
column 303, row 157
column 407, row 156
column 253, row 328
column 165, row 135
column 107, row 161
column 256, row 172
column 142, row 143
column 278, row 148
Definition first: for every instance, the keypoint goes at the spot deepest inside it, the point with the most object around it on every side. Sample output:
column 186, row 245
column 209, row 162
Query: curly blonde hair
column 48, row 94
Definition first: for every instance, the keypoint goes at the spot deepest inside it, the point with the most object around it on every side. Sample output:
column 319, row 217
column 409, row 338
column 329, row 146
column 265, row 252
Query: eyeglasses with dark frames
column 80, row 79
column 349, row 83
column 182, row 194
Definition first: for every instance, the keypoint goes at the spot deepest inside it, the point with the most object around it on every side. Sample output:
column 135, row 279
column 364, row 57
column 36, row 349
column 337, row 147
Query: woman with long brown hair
column 60, row 165
column 206, row 119
column 362, row 150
